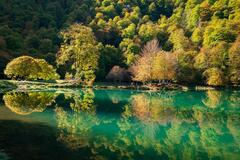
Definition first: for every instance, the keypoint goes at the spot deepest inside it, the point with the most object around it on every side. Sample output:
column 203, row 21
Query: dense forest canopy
column 202, row 34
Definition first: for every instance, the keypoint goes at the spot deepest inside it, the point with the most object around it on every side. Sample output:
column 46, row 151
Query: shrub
column 118, row 74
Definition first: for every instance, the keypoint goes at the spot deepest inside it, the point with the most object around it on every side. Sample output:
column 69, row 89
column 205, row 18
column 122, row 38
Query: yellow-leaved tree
column 154, row 64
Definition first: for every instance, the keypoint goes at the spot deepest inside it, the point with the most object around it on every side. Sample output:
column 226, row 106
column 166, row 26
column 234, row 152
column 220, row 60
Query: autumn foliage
column 154, row 64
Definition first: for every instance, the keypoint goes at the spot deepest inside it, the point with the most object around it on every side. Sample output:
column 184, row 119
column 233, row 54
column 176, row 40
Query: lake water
column 119, row 124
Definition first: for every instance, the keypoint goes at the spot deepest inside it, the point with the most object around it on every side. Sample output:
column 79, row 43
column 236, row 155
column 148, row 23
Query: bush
column 118, row 74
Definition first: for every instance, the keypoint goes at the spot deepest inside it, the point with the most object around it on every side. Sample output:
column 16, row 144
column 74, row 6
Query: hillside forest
column 180, row 41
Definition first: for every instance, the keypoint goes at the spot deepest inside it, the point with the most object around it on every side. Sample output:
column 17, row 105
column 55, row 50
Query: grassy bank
column 35, row 85
column 45, row 84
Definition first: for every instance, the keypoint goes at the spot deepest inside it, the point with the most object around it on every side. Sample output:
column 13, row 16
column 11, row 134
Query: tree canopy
column 81, row 49
column 26, row 67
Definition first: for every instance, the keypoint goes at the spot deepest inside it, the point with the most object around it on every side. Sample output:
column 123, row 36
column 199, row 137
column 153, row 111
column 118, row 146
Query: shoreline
column 28, row 85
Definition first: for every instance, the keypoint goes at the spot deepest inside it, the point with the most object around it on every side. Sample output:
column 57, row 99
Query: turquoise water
column 119, row 124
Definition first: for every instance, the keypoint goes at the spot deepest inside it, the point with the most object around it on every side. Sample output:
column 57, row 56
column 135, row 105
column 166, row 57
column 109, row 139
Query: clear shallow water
column 119, row 124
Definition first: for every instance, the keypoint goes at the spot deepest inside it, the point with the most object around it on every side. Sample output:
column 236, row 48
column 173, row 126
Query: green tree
column 197, row 36
column 80, row 48
column 47, row 71
column 186, row 72
column 217, row 31
column 213, row 63
column 130, row 50
column 148, row 31
column 24, row 67
column 179, row 40
column 129, row 32
column 193, row 17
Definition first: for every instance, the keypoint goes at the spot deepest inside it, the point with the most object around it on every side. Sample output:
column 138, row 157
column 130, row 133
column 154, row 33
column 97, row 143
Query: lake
column 119, row 124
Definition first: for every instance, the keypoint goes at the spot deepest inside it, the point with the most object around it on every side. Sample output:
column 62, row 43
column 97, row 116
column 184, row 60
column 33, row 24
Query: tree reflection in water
column 151, row 125
column 25, row 103
column 174, row 125
column 74, row 127
column 214, row 99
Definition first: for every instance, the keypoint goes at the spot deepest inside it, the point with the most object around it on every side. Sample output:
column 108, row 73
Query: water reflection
column 74, row 126
column 24, row 103
column 168, row 125
column 213, row 99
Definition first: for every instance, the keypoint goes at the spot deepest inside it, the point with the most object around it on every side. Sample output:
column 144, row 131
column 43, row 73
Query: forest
column 180, row 41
